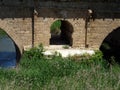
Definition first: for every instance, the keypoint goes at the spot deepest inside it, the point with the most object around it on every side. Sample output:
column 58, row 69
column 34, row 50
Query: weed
column 66, row 47
column 34, row 53
column 39, row 73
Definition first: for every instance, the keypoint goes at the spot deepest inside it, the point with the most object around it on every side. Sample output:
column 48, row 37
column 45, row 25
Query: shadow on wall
column 18, row 54
column 111, row 46
column 66, row 32
column 62, row 33
column 70, row 9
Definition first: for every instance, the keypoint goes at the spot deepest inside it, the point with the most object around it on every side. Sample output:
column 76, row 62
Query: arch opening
column 110, row 46
column 9, row 51
column 61, row 33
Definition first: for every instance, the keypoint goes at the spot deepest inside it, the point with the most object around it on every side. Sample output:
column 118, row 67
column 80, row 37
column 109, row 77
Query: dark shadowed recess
column 65, row 35
column 18, row 54
column 111, row 46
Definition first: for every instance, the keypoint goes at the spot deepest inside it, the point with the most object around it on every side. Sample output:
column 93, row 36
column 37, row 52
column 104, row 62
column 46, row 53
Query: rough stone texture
column 18, row 21
column 99, row 29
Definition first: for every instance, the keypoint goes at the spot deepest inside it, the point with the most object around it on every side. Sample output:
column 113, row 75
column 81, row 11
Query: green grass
column 55, row 27
column 36, row 72
column 2, row 33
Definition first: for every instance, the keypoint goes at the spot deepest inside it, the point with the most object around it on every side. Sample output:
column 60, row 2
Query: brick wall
column 19, row 23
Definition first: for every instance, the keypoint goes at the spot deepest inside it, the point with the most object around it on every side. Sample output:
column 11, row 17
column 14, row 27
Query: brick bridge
column 28, row 23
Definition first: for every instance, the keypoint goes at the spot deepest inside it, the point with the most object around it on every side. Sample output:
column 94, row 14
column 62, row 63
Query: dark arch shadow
column 110, row 46
column 65, row 36
column 17, row 50
column 18, row 54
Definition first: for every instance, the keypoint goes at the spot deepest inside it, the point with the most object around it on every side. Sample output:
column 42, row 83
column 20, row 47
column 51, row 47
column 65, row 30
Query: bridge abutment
column 28, row 30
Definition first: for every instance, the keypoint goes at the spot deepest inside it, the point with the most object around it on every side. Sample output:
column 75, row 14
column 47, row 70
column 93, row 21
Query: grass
column 36, row 72
column 2, row 33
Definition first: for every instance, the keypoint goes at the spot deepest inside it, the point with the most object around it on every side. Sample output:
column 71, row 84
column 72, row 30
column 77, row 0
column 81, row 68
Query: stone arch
column 16, row 42
column 11, row 32
column 64, row 34
column 111, row 46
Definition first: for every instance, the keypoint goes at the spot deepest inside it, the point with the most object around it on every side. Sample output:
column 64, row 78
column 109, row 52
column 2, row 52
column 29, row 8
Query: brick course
column 19, row 23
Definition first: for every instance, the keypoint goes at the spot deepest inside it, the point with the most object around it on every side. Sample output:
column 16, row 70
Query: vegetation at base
column 65, row 47
column 37, row 72
column 2, row 33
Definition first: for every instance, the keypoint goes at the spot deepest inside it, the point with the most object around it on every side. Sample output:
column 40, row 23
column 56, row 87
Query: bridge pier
column 28, row 29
